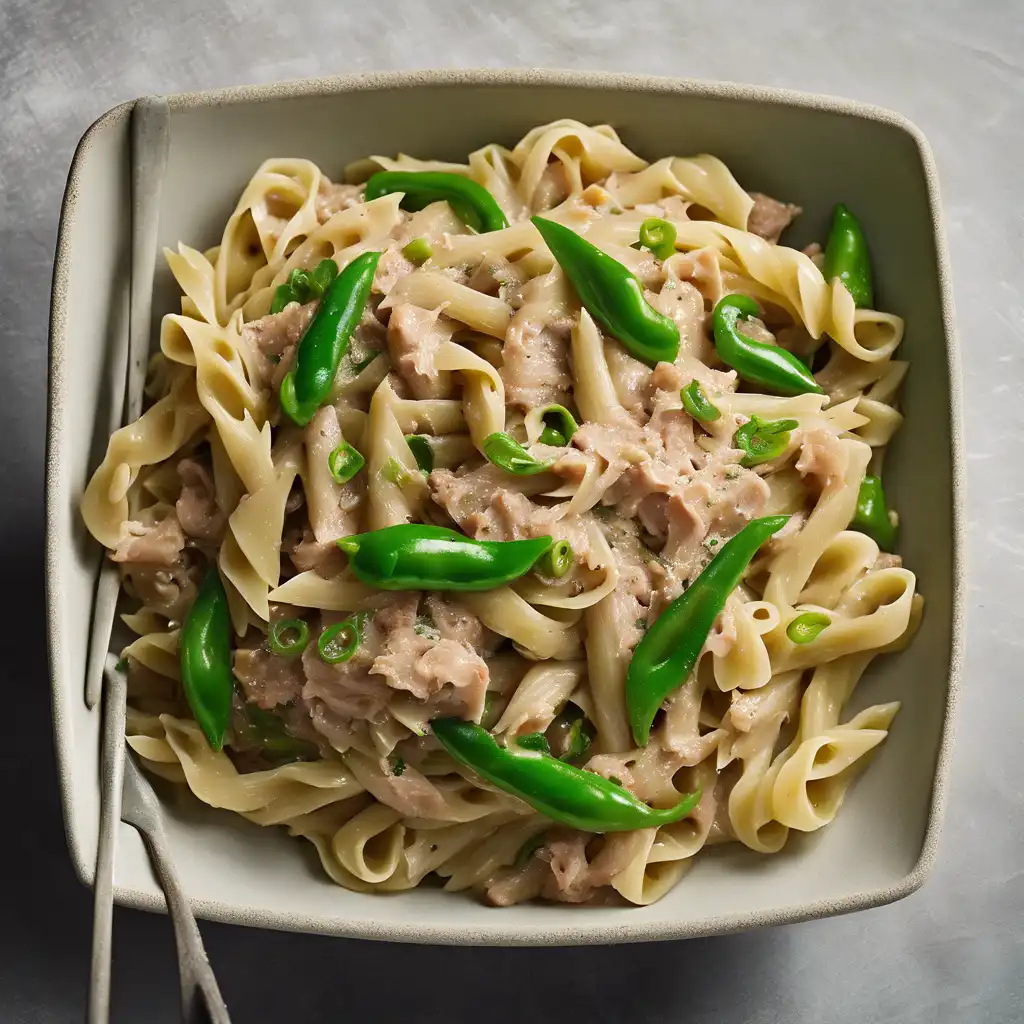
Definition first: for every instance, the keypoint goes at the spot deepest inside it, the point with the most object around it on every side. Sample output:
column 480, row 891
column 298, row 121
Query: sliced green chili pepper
column 421, row 451
column 557, row 560
column 508, row 454
column 612, row 295
column 847, row 257
column 569, row 795
column 762, row 440
column 872, row 515
column 339, row 642
column 288, row 637
column 302, row 285
column 535, row 741
column 344, row 462
column 806, row 627
column 659, row 236
column 412, row 557
column 559, row 426
column 768, row 366
column 669, row 649
column 697, row 404
column 205, row 645
column 472, row 203
column 418, row 251
column 307, row 387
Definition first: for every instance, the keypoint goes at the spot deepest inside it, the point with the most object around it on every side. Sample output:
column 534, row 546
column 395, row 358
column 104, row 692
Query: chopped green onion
column 559, row 426
column 424, row 627
column 421, row 451
column 806, row 627
column 339, row 642
column 398, row 767
column 288, row 637
column 528, row 849
column 580, row 739
column 344, row 462
column 535, row 741
column 303, row 285
column 508, row 454
column 418, row 251
column 283, row 296
column 557, row 560
column 697, row 404
column 659, row 236
column 394, row 472
column 321, row 278
column 762, row 440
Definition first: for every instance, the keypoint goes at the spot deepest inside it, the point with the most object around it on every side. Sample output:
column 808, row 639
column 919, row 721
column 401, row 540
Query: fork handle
column 115, row 699
column 201, row 1001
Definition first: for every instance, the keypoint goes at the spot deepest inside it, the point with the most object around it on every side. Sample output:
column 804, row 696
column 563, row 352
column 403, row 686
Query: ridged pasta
column 481, row 334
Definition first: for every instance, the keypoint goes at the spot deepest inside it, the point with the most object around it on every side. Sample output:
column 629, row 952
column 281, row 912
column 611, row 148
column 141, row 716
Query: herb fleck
column 398, row 767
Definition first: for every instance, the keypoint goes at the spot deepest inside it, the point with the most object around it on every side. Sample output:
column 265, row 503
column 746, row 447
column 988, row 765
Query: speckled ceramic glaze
column 813, row 150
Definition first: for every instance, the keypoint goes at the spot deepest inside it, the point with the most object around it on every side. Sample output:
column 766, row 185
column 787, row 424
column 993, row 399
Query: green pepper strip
column 806, row 627
column 412, row 557
column 659, row 236
column 344, row 462
column 847, row 257
column 205, row 645
column 559, row 425
column 768, row 366
column 612, row 295
column 569, row 795
column 283, row 645
column 557, row 560
column 872, row 515
column 508, row 454
column 669, row 649
column 472, row 203
column 305, row 388
column 421, row 451
column 762, row 440
column 697, row 404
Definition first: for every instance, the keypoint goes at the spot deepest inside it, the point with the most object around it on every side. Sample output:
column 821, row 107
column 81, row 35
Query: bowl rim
column 630, row 930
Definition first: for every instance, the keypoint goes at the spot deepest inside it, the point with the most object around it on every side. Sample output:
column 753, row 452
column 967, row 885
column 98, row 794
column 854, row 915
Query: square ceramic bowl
column 808, row 149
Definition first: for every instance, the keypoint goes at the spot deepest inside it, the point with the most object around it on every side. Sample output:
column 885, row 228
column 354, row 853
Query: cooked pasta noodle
column 480, row 333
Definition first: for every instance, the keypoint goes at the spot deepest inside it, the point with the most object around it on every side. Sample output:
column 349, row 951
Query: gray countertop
column 952, row 952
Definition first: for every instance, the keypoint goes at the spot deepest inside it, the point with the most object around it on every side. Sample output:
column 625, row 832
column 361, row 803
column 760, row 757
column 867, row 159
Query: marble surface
column 952, row 952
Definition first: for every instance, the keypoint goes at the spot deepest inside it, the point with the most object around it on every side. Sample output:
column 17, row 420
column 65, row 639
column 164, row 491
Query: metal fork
column 124, row 784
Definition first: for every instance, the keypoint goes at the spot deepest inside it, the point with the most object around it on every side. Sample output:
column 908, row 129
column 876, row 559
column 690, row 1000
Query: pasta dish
column 515, row 525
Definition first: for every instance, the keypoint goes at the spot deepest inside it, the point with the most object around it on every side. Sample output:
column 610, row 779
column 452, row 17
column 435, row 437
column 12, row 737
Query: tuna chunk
column 268, row 679
column 769, row 218
column 196, row 507
column 414, row 337
column 150, row 543
column 333, row 198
